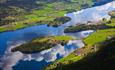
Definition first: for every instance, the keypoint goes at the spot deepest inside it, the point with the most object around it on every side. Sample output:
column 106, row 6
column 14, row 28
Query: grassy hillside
column 82, row 58
column 64, row 61
column 99, row 36
column 103, row 59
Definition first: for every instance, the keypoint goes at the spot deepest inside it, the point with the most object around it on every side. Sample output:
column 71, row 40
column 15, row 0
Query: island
column 83, row 27
column 41, row 44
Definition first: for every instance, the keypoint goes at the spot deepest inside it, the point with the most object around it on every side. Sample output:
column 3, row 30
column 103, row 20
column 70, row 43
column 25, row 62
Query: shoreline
column 48, row 23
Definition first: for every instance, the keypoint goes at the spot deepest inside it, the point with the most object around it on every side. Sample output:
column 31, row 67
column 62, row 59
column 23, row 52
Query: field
column 99, row 36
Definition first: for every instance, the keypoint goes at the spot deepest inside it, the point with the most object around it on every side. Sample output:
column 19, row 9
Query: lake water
column 17, row 37
column 101, row 2
column 19, row 61
column 8, row 39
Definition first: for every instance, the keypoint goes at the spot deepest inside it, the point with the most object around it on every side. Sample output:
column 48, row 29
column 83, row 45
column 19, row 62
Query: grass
column 66, row 60
column 112, row 22
column 99, row 36
column 72, row 57
column 63, row 38
column 3, row 29
column 13, row 26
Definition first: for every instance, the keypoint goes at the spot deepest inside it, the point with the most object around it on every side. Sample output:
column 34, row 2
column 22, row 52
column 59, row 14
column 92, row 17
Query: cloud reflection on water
column 10, row 59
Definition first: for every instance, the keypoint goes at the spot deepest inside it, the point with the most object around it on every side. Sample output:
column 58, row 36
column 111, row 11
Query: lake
column 19, row 61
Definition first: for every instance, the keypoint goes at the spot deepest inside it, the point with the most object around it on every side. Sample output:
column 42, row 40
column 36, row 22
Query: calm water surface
column 10, row 38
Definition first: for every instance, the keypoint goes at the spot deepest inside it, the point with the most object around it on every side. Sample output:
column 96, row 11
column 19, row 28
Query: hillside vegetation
column 103, row 59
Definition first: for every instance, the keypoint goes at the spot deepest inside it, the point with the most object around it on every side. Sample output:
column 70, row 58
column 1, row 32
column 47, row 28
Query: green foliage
column 83, row 27
column 58, row 21
column 64, row 61
column 99, row 36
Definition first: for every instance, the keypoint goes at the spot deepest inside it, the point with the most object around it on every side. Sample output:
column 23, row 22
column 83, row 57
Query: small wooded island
column 83, row 27
column 41, row 44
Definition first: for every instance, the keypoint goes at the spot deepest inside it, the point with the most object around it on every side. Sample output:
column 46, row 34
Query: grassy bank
column 66, row 60
column 99, row 36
